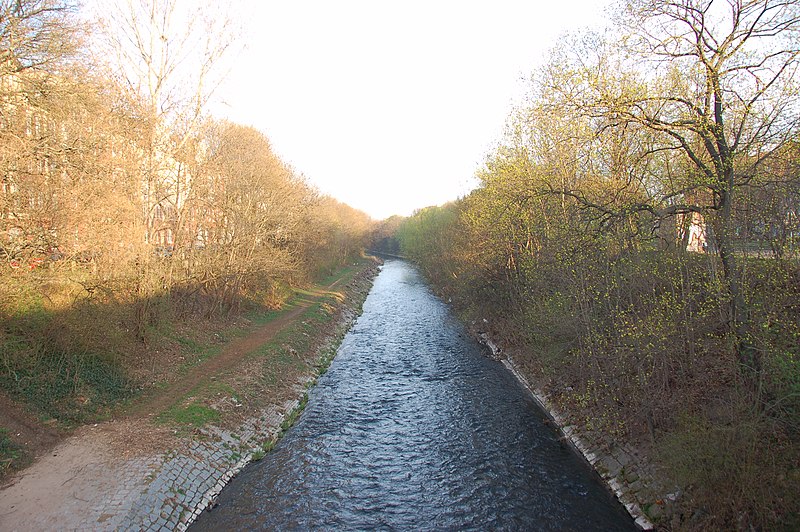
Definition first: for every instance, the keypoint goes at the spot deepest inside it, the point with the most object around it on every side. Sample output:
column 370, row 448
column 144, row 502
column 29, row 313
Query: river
column 414, row 428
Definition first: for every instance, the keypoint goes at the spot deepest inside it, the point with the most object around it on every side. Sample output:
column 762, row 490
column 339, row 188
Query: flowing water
column 414, row 428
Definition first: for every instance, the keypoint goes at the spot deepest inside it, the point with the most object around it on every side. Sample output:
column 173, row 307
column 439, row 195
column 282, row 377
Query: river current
column 414, row 428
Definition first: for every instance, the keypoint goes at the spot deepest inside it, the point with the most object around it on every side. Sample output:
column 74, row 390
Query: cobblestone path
column 164, row 491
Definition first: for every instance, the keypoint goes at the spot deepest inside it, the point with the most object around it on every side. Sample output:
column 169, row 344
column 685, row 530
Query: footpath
column 85, row 485
column 138, row 474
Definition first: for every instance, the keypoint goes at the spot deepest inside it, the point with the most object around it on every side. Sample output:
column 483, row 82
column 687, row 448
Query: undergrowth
column 194, row 415
column 72, row 388
column 68, row 349
column 637, row 347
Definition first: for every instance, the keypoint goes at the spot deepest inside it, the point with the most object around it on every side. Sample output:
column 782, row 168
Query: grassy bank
column 274, row 370
column 635, row 348
column 65, row 376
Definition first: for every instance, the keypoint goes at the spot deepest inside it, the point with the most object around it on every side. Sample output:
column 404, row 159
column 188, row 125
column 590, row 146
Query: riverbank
column 415, row 428
column 620, row 468
column 164, row 459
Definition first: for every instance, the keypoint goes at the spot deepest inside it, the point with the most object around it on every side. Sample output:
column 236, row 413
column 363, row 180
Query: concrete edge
column 616, row 484
column 211, row 495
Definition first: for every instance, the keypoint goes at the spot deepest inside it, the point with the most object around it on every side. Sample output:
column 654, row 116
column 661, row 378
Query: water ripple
column 412, row 428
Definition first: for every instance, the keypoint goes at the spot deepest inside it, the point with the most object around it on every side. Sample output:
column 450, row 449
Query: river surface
column 414, row 428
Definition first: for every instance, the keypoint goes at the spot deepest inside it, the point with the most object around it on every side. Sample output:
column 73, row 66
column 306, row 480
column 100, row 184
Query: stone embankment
column 84, row 485
column 624, row 474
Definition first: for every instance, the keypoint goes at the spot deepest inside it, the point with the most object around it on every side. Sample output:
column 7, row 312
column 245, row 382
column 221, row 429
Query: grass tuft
column 194, row 415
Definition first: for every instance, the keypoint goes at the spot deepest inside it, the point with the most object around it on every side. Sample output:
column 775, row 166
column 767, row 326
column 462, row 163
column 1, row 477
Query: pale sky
column 391, row 106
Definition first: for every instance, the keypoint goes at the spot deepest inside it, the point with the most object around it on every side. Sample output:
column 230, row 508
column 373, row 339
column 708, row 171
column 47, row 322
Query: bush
column 743, row 473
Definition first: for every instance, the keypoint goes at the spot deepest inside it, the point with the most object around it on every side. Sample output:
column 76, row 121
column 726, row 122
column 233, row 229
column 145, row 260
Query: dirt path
column 231, row 355
column 95, row 478
column 36, row 437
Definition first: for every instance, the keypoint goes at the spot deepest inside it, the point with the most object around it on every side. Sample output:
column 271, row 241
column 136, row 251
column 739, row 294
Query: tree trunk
column 747, row 355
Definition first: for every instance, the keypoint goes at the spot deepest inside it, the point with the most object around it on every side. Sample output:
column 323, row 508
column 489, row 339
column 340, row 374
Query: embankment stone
column 162, row 491
column 609, row 466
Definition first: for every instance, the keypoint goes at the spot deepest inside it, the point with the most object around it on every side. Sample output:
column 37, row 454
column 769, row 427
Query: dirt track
column 72, row 483
column 230, row 356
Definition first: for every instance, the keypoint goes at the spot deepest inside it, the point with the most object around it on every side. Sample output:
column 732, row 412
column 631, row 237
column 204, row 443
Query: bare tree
column 170, row 55
column 36, row 33
column 246, row 208
column 715, row 82
column 38, row 40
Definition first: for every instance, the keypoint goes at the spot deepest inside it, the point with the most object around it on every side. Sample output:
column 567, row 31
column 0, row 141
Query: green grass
column 258, row 455
column 72, row 388
column 194, row 415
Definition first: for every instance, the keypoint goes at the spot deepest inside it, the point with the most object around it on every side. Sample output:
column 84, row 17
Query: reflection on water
column 413, row 428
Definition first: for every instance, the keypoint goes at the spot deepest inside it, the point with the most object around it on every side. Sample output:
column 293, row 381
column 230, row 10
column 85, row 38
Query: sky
column 391, row 106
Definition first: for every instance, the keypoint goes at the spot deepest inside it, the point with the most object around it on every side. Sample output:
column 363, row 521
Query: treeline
column 123, row 203
column 678, row 125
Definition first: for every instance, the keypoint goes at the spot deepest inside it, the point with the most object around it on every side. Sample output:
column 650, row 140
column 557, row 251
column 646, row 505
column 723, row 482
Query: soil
column 35, row 438
column 229, row 357
column 59, row 459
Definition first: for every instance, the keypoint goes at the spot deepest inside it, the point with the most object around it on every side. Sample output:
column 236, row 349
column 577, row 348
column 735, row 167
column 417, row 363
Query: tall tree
column 36, row 33
column 714, row 81
column 171, row 56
